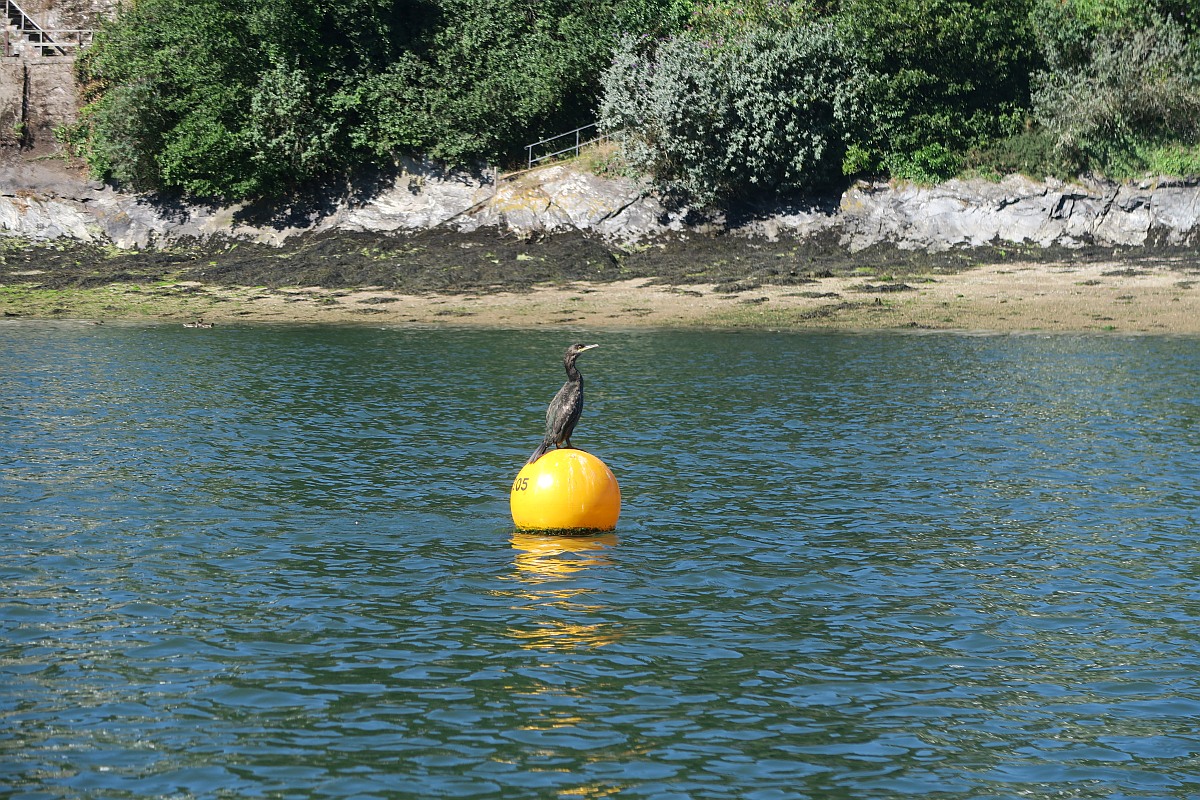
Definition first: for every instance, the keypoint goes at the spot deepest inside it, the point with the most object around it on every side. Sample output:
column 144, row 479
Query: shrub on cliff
column 234, row 99
column 1122, row 91
column 783, row 95
column 712, row 115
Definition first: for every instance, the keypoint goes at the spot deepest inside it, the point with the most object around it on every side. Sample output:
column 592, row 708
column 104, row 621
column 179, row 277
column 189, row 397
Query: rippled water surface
column 278, row 563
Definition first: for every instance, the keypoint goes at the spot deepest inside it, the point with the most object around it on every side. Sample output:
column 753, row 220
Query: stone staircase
column 24, row 37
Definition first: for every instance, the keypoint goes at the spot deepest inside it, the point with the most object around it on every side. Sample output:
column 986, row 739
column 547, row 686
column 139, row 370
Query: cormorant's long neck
column 573, row 372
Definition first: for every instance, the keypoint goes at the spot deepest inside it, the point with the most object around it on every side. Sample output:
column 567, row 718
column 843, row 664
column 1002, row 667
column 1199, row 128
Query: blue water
column 272, row 562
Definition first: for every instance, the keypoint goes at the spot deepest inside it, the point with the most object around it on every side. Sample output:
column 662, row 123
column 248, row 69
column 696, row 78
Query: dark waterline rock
column 422, row 229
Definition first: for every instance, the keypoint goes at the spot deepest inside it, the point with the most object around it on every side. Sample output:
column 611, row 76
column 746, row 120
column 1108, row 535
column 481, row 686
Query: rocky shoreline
column 548, row 246
column 48, row 200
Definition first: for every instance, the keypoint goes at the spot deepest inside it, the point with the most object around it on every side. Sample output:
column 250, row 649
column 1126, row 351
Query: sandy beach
column 1096, row 297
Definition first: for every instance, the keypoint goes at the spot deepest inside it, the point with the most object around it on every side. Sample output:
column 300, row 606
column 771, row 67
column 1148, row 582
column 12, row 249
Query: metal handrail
column 580, row 142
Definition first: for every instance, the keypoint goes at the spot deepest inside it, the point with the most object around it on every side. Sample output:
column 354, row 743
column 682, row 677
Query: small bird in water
column 565, row 408
column 200, row 323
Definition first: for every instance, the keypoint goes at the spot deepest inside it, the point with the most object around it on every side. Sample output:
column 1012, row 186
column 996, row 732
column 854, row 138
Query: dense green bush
column 1031, row 152
column 716, row 115
column 948, row 76
column 909, row 87
column 234, row 99
column 1066, row 30
column 231, row 99
column 151, row 103
column 240, row 99
column 493, row 76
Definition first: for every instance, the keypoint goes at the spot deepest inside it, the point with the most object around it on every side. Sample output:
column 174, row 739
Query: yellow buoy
column 566, row 489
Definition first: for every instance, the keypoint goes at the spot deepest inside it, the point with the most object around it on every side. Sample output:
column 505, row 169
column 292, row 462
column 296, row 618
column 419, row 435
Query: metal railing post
column 580, row 143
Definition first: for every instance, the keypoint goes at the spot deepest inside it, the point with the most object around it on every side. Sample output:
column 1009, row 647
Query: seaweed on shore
column 448, row 262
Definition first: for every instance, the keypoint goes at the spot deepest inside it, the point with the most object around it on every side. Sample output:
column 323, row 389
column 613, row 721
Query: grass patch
column 111, row 301
column 1175, row 159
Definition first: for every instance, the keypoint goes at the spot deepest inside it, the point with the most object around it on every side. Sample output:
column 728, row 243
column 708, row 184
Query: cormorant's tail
column 541, row 451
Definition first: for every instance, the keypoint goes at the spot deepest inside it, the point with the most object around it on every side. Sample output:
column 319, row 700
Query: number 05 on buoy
column 566, row 489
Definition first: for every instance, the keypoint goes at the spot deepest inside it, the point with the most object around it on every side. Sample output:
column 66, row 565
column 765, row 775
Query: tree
column 498, row 74
column 232, row 99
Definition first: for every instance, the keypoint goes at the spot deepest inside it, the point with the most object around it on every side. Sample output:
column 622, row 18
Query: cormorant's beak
column 588, row 347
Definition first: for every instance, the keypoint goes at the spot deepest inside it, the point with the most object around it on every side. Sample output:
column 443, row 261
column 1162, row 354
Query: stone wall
column 50, row 98
column 12, row 102
column 36, row 96
column 68, row 14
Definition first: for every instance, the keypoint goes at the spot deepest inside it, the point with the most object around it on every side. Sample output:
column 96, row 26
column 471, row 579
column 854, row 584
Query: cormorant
column 565, row 408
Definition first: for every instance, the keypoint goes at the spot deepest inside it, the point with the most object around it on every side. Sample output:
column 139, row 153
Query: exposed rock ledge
column 45, row 201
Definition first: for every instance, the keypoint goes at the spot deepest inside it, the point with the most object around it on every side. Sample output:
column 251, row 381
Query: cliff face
column 44, row 201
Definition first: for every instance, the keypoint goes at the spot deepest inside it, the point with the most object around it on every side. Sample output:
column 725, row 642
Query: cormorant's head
column 574, row 350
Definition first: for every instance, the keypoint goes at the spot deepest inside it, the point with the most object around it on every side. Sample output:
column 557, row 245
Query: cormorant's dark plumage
column 565, row 408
